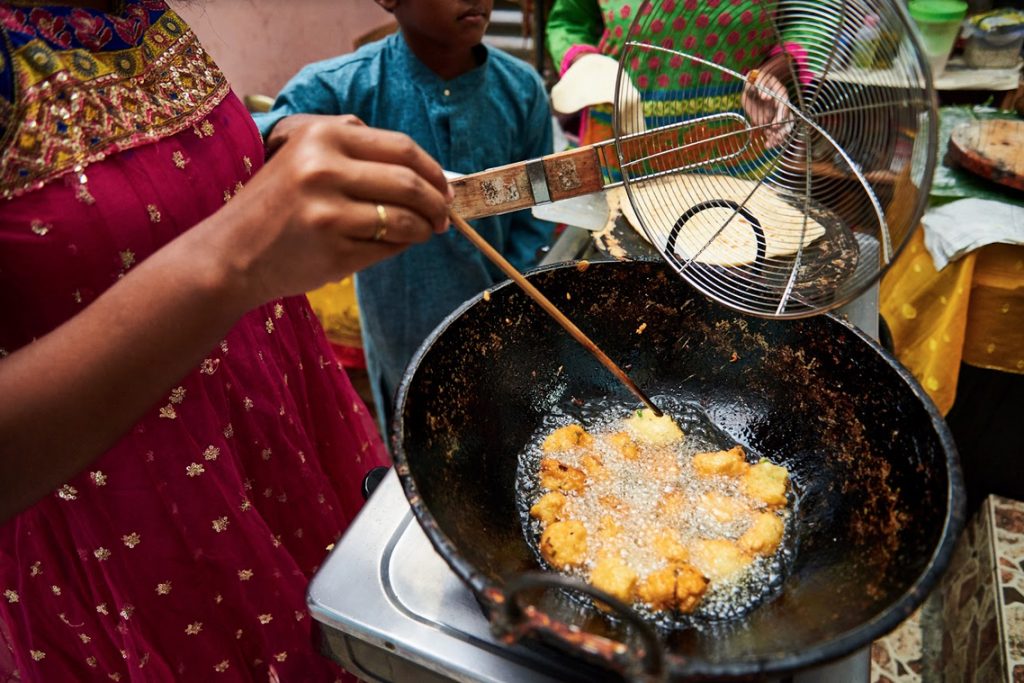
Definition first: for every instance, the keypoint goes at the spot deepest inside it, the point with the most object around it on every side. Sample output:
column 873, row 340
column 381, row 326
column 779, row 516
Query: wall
column 260, row 44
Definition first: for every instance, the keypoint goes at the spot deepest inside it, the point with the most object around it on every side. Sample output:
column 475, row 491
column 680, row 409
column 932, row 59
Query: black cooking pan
column 874, row 466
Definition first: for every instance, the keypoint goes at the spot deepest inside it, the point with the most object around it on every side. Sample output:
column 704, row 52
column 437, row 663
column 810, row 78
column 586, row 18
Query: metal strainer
column 781, row 214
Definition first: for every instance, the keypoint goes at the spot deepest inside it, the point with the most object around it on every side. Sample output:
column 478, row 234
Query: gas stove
column 391, row 610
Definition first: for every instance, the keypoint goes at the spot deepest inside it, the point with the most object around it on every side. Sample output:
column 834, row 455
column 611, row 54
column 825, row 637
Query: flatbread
column 663, row 200
column 589, row 81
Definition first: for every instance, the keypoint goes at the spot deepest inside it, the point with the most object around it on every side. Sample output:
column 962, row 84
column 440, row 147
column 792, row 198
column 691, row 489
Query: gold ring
column 382, row 223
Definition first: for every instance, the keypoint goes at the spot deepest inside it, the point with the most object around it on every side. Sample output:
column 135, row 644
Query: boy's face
column 451, row 23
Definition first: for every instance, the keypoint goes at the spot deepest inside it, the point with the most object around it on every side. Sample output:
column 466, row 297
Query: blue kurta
column 493, row 115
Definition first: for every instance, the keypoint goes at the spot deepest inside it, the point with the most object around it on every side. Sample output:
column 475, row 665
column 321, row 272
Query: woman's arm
column 309, row 216
column 571, row 24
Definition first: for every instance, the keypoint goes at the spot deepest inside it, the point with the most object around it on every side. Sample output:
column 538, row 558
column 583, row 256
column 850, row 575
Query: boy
column 471, row 108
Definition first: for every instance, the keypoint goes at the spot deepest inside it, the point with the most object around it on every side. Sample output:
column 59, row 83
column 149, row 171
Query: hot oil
column 658, row 474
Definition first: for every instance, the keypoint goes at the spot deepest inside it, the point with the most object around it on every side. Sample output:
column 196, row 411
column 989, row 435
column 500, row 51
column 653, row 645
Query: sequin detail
column 75, row 106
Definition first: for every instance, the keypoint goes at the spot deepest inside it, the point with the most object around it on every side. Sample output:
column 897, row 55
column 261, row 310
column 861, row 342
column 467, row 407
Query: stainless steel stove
column 390, row 609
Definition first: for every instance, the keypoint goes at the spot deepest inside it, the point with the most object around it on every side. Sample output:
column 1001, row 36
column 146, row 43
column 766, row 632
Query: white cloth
column 960, row 227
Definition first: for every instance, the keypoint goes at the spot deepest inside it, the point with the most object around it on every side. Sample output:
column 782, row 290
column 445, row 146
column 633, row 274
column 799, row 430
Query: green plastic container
column 938, row 22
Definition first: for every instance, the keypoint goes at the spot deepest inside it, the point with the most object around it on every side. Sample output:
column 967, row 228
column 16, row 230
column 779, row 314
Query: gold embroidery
column 238, row 634
column 276, row 541
column 222, row 667
column 37, row 655
column 207, row 128
column 244, row 574
column 84, row 638
column 126, row 612
column 55, row 590
column 131, row 540
column 266, row 618
column 168, row 412
column 127, row 258
column 179, row 159
column 298, row 533
column 11, row 595
column 299, row 616
column 102, row 609
column 330, row 547
column 281, row 656
column 245, row 506
column 154, row 213
column 40, row 228
column 102, row 554
column 177, row 395
column 302, row 457
column 267, row 493
column 211, row 452
column 114, row 676
column 265, row 454
column 98, row 478
column 238, row 187
column 218, row 598
column 67, row 492
column 83, row 195
column 270, row 326
column 283, row 498
column 77, row 296
column 209, row 366
column 163, row 588
column 194, row 628
column 143, row 660
column 320, row 498
column 224, row 345
column 220, row 524
column 227, row 196
column 91, row 661
column 36, row 569
column 229, row 431
column 247, row 403
column 194, row 470
column 116, row 100
column 248, row 164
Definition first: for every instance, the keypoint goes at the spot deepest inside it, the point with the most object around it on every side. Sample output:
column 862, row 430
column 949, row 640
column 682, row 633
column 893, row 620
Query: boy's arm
column 306, row 93
column 573, row 26
column 528, row 234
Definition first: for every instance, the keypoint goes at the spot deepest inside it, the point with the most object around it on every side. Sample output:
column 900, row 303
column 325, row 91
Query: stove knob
column 373, row 479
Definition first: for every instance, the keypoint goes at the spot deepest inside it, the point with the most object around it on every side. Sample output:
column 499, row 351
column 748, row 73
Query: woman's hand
column 311, row 214
column 764, row 99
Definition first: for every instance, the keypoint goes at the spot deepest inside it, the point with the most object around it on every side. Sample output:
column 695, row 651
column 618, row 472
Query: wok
column 880, row 500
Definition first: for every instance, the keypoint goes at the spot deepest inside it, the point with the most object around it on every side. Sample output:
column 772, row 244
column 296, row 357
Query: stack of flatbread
column 663, row 200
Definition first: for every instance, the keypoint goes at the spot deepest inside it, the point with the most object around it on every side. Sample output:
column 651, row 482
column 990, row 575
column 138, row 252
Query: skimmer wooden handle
column 545, row 303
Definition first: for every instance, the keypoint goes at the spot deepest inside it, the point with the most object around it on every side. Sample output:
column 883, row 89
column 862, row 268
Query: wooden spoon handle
column 577, row 334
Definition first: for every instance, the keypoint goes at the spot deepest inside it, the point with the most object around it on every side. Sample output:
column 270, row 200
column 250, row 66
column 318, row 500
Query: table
column 972, row 311
column 960, row 331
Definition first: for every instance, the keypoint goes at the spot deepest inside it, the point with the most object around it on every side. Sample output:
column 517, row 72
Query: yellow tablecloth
column 971, row 311
column 335, row 306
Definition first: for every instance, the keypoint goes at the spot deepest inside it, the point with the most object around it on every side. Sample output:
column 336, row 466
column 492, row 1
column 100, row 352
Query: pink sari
column 184, row 552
